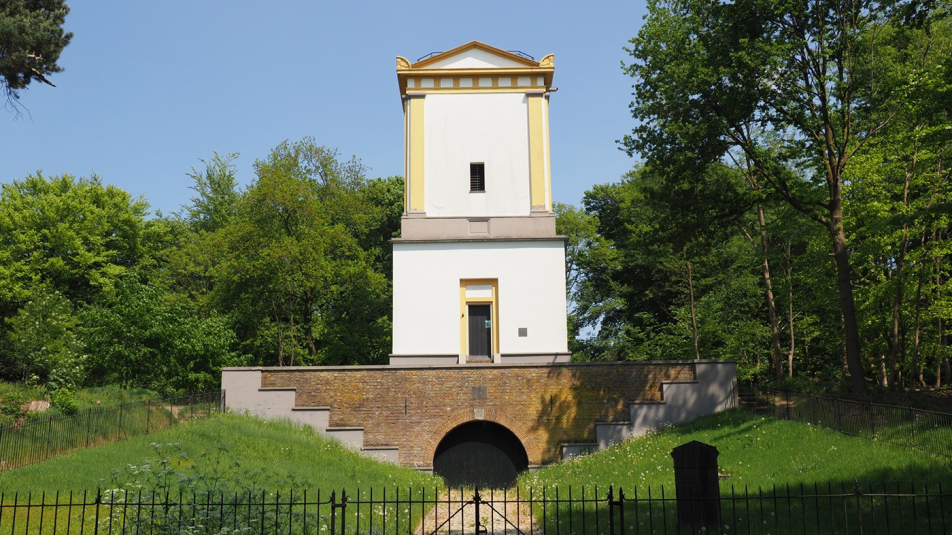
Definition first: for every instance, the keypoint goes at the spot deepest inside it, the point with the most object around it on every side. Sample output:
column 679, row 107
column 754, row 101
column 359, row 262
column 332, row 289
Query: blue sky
column 150, row 87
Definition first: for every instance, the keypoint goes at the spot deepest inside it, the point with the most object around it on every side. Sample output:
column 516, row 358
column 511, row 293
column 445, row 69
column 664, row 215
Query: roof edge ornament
column 402, row 63
column 548, row 61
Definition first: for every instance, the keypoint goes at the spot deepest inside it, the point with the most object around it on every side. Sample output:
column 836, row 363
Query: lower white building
column 479, row 300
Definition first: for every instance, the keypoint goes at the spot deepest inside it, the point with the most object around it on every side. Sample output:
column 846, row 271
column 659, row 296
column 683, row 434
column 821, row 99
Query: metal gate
column 481, row 515
column 480, row 454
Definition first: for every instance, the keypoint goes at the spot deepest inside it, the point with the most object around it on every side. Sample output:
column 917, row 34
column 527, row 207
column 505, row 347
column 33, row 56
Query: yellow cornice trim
column 486, row 71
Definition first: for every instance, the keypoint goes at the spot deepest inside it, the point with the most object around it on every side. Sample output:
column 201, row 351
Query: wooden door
column 480, row 330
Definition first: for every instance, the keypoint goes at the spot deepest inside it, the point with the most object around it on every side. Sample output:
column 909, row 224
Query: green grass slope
column 276, row 454
column 754, row 451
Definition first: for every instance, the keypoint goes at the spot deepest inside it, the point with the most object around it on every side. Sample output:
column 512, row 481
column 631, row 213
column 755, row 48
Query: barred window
column 477, row 177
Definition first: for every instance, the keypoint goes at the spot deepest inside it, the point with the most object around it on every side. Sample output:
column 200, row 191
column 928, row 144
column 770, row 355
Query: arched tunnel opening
column 480, row 454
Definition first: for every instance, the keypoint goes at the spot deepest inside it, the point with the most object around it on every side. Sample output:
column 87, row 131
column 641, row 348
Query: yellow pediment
column 451, row 68
column 474, row 55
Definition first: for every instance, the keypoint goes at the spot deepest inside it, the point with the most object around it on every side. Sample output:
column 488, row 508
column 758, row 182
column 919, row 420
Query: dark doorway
column 481, row 454
column 480, row 330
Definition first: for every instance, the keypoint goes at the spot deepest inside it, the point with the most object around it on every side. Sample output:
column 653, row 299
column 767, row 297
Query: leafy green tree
column 75, row 235
column 779, row 82
column 31, row 41
column 294, row 274
column 139, row 336
column 43, row 345
column 217, row 196
column 896, row 195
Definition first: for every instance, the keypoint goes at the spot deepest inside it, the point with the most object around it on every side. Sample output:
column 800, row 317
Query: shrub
column 11, row 407
column 65, row 401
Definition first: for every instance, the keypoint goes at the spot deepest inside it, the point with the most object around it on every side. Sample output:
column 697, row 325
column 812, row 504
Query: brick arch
column 462, row 416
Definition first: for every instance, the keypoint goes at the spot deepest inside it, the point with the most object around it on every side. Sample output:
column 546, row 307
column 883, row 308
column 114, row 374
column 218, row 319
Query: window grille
column 477, row 177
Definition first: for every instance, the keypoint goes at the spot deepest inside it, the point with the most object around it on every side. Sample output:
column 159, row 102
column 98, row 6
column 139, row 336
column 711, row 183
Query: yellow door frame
column 464, row 303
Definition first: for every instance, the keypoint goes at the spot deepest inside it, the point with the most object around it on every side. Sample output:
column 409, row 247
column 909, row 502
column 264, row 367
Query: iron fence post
column 912, row 425
column 476, row 502
column 621, row 510
column 611, row 511
column 333, row 512
column 49, row 438
column 343, row 510
column 787, row 404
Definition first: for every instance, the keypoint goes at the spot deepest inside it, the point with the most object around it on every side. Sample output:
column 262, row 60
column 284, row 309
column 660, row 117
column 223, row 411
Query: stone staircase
column 280, row 403
column 646, row 416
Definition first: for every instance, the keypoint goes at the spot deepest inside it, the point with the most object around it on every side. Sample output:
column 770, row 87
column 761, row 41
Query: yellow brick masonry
column 414, row 408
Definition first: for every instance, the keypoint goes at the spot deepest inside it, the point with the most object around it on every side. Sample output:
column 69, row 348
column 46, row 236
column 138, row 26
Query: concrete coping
column 562, row 239
column 384, row 367
column 327, row 408
column 681, row 382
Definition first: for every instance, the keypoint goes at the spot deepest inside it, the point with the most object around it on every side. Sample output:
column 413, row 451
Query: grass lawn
column 275, row 452
column 754, row 451
column 757, row 453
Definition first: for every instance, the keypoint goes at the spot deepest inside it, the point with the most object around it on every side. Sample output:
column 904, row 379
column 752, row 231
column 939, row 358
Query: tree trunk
column 277, row 323
column 788, row 272
column 854, row 361
column 697, row 352
column 291, row 333
column 771, row 303
column 915, row 373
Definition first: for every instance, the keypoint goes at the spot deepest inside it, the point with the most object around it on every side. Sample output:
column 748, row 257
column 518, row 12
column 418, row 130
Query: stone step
column 571, row 450
column 608, row 434
column 352, row 437
column 387, row 454
column 316, row 417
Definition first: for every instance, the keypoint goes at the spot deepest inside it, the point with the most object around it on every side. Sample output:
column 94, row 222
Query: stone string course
column 414, row 408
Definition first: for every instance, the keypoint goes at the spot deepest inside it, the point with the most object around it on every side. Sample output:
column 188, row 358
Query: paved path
column 498, row 514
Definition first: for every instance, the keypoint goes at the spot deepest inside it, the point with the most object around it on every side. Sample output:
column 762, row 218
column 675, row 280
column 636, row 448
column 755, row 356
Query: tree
column 139, row 336
column 217, row 189
column 43, row 344
column 294, row 273
column 779, row 82
column 75, row 235
column 31, row 41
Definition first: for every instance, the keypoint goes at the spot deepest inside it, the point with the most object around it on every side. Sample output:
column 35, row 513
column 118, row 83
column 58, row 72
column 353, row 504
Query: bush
column 11, row 407
column 65, row 401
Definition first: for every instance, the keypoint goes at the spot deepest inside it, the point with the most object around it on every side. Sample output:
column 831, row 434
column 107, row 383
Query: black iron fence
column 38, row 439
column 833, row 509
column 914, row 428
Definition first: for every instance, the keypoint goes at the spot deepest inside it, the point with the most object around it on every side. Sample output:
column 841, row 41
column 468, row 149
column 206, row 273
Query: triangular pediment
column 475, row 55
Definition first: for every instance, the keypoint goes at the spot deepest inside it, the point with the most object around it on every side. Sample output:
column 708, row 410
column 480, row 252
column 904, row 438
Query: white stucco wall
column 531, row 294
column 460, row 129
column 474, row 59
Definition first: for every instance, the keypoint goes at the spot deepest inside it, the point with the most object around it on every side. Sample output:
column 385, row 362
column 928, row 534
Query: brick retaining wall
column 413, row 408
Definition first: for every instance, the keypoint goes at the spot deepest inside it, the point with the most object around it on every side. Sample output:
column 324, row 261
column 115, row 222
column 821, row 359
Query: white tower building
column 478, row 272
